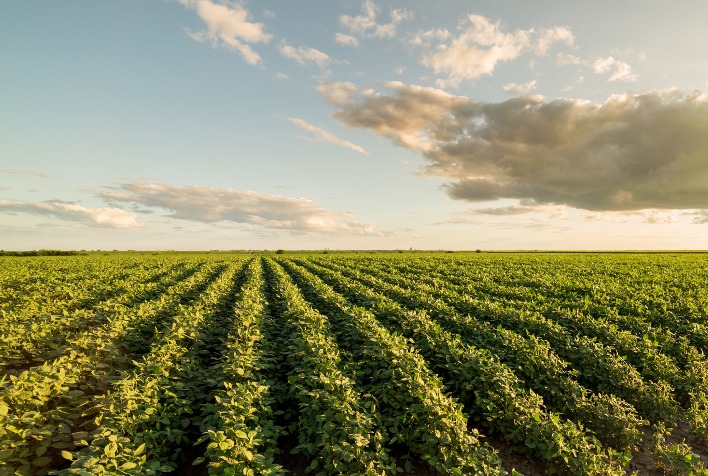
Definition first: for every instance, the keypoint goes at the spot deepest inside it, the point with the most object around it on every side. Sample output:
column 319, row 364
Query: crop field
column 358, row 363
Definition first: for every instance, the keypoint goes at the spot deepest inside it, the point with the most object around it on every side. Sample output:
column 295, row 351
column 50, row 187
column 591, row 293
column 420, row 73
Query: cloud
column 659, row 219
column 620, row 71
column 303, row 55
column 508, row 210
column 480, row 46
column 26, row 173
column 549, row 36
column 337, row 93
column 325, row 135
column 265, row 211
column 346, row 40
column 365, row 25
column 98, row 217
column 520, row 89
column 700, row 217
column 564, row 59
column 228, row 25
column 632, row 152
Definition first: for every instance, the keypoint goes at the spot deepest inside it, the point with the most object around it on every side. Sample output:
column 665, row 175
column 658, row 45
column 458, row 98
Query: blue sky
column 202, row 124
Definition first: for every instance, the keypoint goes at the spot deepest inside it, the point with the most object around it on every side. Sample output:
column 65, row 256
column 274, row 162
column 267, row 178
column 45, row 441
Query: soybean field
column 354, row 363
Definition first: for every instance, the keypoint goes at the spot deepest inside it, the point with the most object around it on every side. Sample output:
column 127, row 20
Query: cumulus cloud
column 303, row 54
column 632, row 152
column 213, row 205
column 99, row 217
column 346, row 40
column 325, row 135
column 618, row 70
column 522, row 89
column 366, row 26
column 480, row 46
column 228, row 25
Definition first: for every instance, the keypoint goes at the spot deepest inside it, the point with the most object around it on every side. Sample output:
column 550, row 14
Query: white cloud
column 476, row 51
column 303, row 54
column 325, row 135
column 228, row 25
column 480, row 46
column 365, row 25
column 281, row 76
column 619, row 70
column 345, row 40
column 264, row 211
column 632, row 152
column 522, row 89
column 557, row 34
column 99, row 217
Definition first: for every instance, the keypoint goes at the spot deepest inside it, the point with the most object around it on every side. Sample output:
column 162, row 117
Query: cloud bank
column 632, row 152
column 228, row 25
column 212, row 205
column 99, row 217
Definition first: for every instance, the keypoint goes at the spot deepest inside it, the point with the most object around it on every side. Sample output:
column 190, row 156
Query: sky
column 219, row 124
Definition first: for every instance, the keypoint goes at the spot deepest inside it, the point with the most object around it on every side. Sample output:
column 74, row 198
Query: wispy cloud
column 303, row 54
column 366, row 25
column 228, row 25
column 215, row 205
column 73, row 212
column 507, row 210
column 25, row 173
column 618, row 70
column 480, row 46
column 325, row 136
column 632, row 152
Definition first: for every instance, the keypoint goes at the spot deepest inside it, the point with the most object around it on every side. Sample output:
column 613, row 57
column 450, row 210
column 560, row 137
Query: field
column 359, row 363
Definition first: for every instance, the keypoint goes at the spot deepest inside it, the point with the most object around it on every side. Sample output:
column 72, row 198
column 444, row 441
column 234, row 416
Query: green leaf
column 42, row 461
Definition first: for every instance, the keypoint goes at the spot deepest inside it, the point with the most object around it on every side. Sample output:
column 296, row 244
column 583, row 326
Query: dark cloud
column 632, row 152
